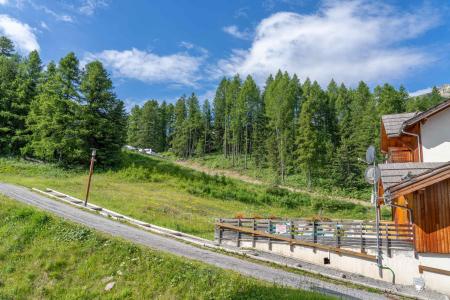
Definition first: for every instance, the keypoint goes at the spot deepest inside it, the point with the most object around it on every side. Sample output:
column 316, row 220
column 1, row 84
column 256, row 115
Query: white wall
column 435, row 134
column 404, row 263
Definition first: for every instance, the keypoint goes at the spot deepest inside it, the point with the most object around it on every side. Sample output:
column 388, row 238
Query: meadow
column 44, row 257
column 160, row 192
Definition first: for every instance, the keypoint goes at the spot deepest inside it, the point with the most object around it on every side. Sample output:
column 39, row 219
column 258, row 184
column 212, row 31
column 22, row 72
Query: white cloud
column 233, row 30
column 20, row 33
column 44, row 25
column 347, row 41
column 88, row 7
column 3, row 2
column 187, row 45
column 57, row 16
column 421, row 92
column 177, row 69
column 241, row 12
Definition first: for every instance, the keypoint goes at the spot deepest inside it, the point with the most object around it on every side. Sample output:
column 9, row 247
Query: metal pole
column 91, row 171
column 377, row 220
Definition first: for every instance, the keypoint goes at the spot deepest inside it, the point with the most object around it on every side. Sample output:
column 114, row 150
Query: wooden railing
column 400, row 155
column 355, row 235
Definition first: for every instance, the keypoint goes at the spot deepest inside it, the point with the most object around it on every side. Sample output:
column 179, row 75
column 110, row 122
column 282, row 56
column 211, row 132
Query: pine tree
column 219, row 108
column 103, row 115
column 164, row 117
column 150, row 127
column 232, row 118
column 207, row 127
column 133, row 127
column 346, row 168
column 54, row 122
column 308, row 146
column 390, row 101
column 280, row 104
column 193, row 124
column 8, row 95
column 170, row 129
column 27, row 82
column 6, row 46
column 180, row 136
column 249, row 106
column 365, row 122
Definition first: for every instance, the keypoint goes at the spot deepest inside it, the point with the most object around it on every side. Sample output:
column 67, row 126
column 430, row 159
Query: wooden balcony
column 400, row 155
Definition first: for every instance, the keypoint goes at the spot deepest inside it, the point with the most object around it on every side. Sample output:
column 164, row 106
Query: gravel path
column 165, row 244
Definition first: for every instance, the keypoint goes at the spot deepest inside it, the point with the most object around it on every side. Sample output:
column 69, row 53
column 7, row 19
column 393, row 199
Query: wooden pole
column 91, row 171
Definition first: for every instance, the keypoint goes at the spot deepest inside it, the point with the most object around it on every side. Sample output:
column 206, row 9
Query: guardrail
column 358, row 235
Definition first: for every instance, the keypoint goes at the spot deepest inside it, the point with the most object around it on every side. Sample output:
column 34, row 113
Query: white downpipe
column 419, row 144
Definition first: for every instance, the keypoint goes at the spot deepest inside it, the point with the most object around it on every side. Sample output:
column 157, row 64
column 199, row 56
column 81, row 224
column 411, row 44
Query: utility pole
column 91, row 171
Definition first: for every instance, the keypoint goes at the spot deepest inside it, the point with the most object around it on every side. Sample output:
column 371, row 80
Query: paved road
column 165, row 244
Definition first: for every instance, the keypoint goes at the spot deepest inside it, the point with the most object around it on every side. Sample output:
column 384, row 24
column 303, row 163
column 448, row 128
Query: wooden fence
column 333, row 235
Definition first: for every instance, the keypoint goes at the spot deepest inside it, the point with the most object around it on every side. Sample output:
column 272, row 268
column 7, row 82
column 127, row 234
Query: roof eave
column 420, row 181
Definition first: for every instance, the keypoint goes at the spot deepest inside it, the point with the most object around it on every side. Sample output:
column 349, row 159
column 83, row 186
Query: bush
column 277, row 191
column 332, row 205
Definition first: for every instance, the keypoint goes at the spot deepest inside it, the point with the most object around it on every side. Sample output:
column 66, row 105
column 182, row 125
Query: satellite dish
column 370, row 155
column 372, row 174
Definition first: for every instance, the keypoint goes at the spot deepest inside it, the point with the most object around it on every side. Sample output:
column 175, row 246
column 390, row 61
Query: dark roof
column 396, row 173
column 393, row 123
column 421, row 181
column 427, row 113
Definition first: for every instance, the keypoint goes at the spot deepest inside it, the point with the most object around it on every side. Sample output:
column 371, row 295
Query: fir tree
column 54, row 123
column 207, row 127
column 180, row 138
column 103, row 115
column 6, row 46
column 133, row 128
column 219, row 108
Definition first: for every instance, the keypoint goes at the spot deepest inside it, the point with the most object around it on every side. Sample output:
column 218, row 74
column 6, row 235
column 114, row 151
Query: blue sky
column 163, row 49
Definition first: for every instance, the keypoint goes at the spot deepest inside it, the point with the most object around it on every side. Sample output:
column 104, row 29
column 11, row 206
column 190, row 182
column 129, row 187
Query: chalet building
column 415, row 182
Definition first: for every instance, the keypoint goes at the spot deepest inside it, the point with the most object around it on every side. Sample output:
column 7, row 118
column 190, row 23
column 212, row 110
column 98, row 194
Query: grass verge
column 44, row 257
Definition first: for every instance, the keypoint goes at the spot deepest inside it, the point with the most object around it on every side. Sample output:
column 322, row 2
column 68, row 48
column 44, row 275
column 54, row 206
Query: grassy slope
column 323, row 186
column 163, row 193
column 43, row 257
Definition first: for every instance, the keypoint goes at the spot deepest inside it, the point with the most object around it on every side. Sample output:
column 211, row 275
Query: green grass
column 44, row 257
column 160, row 192
column 321, row 185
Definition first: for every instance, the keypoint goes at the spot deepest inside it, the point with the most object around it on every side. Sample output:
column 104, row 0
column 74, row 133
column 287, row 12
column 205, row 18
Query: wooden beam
column 433, row 270
column 297, row 242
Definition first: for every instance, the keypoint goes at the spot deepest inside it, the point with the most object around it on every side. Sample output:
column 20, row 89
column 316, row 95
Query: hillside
column 214, row 164
column 160, row 192
column 79, row 263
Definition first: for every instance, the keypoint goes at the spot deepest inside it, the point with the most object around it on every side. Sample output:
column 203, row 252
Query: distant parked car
column 128, row 147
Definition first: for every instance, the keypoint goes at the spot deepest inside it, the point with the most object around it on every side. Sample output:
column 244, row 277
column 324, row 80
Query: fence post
column 220, row 232
column 292, row 234
column 315, row 232
column 238, row 239
column 338, row 236
column 363, row 239
column 388, row 252
column 270, row 231
column 253, row 235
